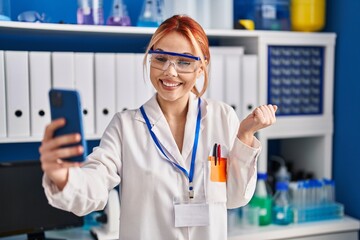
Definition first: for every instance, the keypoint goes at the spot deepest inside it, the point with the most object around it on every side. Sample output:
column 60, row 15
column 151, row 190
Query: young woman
column 181, row 160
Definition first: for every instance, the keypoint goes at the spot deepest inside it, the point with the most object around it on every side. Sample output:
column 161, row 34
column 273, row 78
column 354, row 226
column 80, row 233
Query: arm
column 242, row 164
column 87, row 186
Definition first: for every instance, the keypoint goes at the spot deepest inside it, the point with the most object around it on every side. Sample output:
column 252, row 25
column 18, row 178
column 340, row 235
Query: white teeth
column 170, row 84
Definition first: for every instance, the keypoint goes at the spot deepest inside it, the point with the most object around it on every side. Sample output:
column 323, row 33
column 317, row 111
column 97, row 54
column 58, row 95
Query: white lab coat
column 150, row 185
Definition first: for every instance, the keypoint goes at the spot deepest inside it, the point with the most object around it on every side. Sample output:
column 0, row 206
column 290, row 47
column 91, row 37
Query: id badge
column 191, row 214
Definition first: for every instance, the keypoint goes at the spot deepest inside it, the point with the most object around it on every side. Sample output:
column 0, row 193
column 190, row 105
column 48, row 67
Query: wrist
column 247, row 138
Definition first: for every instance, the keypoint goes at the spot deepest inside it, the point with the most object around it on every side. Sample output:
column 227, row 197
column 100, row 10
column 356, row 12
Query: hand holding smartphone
column 66, row 104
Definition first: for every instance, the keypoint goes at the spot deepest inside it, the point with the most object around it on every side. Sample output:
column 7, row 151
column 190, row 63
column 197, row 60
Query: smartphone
column 66, row 104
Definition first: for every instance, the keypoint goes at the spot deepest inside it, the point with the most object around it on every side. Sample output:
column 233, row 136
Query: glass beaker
column 119, row 15
column 151, row 14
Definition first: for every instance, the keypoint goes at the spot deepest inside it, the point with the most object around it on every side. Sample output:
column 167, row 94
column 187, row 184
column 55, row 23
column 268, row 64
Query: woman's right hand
column 52, row 153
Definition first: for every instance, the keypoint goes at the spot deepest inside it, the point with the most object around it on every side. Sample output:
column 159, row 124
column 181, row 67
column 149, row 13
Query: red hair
column 193, row 32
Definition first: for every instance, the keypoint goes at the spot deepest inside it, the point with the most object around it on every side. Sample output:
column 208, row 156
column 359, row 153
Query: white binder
column 250, row 84
column 84, row 83
column 232, row 74
column 216, row 88
column 2, row 97
column 125, row 81
column 40, row 84
column 104, row 90
column 63, row 74
column 233, row 70
column 17, row 88
column 143, row 85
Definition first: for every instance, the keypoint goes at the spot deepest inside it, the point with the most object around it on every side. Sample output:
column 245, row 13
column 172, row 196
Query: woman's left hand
column 262, row 117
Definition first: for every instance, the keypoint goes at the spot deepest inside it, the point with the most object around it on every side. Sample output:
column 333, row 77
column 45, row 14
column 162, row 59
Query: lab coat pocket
column 215, row 178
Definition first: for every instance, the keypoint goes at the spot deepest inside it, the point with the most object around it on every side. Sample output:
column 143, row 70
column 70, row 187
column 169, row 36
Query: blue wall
column 65, row 10
column 342, row 18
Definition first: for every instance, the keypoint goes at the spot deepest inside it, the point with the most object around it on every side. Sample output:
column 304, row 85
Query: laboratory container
column 272, row 14
column 5, row 10
column 90, row 12
column 281, row 211
column 262, row 199
column 307, row 15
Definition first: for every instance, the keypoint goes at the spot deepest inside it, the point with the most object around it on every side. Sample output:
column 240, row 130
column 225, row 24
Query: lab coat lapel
column 161, row 129
column 190, row 126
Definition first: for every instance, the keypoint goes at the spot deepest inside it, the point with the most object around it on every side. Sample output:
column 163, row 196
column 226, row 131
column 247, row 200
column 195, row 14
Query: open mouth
column 170, row 84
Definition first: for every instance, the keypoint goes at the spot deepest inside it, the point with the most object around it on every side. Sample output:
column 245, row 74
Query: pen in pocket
column 214, row 153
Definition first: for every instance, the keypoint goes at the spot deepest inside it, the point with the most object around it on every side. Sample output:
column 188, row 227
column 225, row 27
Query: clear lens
column 181, row 64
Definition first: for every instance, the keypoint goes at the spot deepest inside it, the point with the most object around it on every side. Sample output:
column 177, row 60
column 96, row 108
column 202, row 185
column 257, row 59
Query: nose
column 170, row 69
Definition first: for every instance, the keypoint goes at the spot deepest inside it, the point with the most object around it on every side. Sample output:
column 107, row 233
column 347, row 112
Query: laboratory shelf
column 345, row 228
column 145, row 31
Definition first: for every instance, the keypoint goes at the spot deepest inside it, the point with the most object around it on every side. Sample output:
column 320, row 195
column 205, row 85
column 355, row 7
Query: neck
column 174, row 109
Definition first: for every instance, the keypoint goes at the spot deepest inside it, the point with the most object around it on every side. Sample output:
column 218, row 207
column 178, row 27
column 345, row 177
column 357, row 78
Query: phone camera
column 56, row 99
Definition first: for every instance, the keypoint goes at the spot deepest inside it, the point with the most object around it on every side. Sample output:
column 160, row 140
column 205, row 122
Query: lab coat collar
column 162, row 130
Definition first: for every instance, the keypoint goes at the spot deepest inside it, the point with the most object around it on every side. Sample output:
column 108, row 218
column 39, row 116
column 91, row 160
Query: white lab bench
column 346, row 228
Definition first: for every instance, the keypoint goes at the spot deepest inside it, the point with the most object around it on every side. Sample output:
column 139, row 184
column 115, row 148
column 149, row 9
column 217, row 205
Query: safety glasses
column 183, row 63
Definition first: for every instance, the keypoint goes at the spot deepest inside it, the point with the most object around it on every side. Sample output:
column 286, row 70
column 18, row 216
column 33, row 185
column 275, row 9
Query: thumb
column 275, row 108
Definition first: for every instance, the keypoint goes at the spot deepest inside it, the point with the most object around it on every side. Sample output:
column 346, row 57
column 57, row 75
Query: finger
column 51, row 128
column 267, row 113
column 67, row 164
column 272, row 110
column 275, row 108
column 47, row 167
column 60, row 141
column 258, row 114
column 63, row 153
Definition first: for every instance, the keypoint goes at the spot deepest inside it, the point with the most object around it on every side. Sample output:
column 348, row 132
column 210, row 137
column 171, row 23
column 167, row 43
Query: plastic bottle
column 90, row 12
column 262, row 199
column 281, row 211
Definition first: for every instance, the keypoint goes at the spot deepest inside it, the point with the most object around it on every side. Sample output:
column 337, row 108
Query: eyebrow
column 188, row 55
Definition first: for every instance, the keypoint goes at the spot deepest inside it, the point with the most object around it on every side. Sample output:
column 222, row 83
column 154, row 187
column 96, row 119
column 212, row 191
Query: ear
column 201, row 69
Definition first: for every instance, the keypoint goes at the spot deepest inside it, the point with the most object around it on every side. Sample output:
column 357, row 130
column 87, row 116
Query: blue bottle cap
column 282, row 186
column 262, row 176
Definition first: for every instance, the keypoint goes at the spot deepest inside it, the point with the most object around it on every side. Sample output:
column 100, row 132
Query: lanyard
column 190, row 175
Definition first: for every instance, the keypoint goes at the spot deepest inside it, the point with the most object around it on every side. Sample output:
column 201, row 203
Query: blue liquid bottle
column 281, row 211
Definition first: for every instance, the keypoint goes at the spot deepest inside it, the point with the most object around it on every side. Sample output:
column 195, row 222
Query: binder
column 63, row 75
column 84, row 83
column 250, row 84
column 2, row 97
column 216, row 88
column 40, row 84
column 125, row 81
column 17, row 97
column 143, row 85
column 104, row 90
column 233, row 78
column 228, row 60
